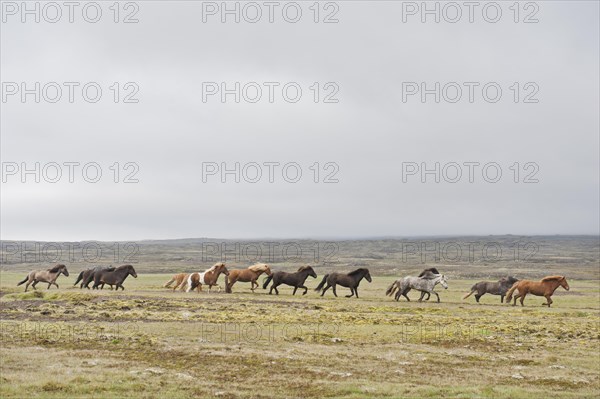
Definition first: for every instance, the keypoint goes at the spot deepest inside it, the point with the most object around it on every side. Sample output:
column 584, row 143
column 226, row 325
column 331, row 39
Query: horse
column 295, row 280
column 87, row 276
column 208, row 277
column 180, row 279
column 350, row 280
column 424, row 285
column 486, row 287
column 250, row 274
column 545, row 287
column 430, row 273
column 113, row 277
column 44, row 276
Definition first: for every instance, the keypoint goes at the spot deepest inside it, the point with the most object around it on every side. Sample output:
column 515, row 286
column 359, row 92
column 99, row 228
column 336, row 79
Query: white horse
column 425, row 285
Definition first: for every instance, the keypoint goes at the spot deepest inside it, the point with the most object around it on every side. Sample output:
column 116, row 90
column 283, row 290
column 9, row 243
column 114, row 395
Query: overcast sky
column 368, row 57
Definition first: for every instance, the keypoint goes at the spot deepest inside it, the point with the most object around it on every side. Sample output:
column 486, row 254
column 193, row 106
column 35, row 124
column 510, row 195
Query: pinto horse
column 208, row 277
column 295, row 280
column 250, row 274
column 545, row 287
column 44, row 276
column 350, row 280
column 113, row 277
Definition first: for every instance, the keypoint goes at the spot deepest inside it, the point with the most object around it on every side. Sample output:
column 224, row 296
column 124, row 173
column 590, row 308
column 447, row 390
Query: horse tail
column 390, row 290
column 267, row 281
column 510, row 292
column 79, row 278
column 167, row 284
column 469, row 294
column 24, row 280
column 322, row 283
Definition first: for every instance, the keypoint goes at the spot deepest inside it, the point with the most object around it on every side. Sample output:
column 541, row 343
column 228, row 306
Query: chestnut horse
column 180, row 279
column 45, row 276
column 545, row 287
column 250, row 274
column 208, row 277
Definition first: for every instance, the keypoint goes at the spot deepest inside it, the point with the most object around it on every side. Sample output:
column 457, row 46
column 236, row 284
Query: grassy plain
column 151, row 342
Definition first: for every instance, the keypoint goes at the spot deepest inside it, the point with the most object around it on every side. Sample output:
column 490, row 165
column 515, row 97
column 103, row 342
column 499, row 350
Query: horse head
column 131, row 271
column 563, row 283
column 268, row 270
column 442, row 280
column 63, row 270
column 222, row 269
column 311, row 272
column 368, row 275
column 59, row 269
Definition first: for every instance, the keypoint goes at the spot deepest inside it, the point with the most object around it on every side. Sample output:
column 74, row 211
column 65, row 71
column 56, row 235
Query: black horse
column 296, row 279
column 87, row 276
column 350, row 280
column 498, row 288
column 113, row 277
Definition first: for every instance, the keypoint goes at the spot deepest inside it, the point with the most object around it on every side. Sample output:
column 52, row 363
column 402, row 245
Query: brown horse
column 180, row 279
column 545, row 287
column 208, row 277
column 250, row 274
column 113, row 277
column 45, row 276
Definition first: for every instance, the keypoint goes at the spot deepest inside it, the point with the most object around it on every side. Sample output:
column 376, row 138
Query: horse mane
column 259, row 267
column 212, row 268
column 553, row 278
column 56, row 268
column 301, row 268
column 431, row 269
column 123, row 267
column 357, row 271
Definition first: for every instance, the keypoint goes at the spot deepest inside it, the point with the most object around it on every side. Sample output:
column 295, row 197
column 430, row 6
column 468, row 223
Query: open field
column 151, row 342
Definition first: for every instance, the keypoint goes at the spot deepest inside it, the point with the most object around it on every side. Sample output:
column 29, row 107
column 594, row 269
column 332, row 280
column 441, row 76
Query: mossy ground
column 150, row 342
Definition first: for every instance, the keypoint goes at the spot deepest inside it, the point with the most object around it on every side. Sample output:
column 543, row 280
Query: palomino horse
column 425, row 285
column 87, row 276
column 208, row 277
column 545, row 287
column 350, row 280
column 180, row 279
column 486, row 287
column 250, row 274
column 45, row 276
column 296, row 279
column 113, row 277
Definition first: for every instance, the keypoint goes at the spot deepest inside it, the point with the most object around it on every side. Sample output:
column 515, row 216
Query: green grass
column 151, row 342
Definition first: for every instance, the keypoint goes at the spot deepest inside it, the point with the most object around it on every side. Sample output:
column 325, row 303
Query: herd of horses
column 425, row 282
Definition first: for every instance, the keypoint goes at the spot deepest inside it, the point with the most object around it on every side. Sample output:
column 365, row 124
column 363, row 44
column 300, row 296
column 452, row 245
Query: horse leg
column 549, row 300
column 422, row 295
column 49, row 285
column 436, row 294
column 334, row 291
column 325, row 289
column 356, row 291
column 27, row 285
column 34, row 284
column 501, row 298
column 351, row 293
column 55, row 284
column 522, row 298
column 477, row 296
column 428, row 295
column 305, row 289
column 295, row 289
